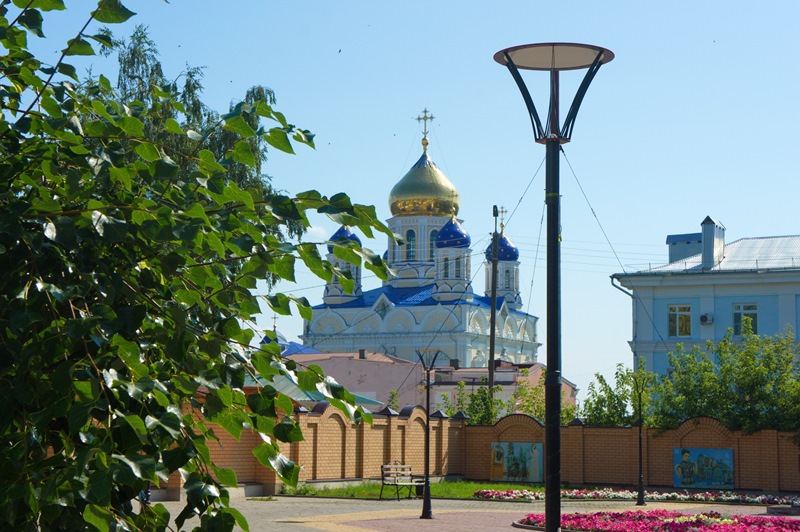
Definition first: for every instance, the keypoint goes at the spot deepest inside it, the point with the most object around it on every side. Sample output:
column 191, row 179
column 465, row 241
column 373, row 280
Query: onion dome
column 279, row 339
column 343, row 232
column 424, row 190
column 385, row 256
column 506, row 250
column 452, row 235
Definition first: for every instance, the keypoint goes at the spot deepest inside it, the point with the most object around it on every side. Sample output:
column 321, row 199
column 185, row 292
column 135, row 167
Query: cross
column 424, row 119
column 274, row 322
column 503, row 213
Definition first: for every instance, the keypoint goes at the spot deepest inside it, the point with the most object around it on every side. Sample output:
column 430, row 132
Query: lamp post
column 427, row 363
column 641, row 380
column 553, row 58
column 493, row 303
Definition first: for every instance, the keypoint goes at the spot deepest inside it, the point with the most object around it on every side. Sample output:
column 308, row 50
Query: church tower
column 421, row 203
column 334, row 292
column 453, row 263
column 507, row 271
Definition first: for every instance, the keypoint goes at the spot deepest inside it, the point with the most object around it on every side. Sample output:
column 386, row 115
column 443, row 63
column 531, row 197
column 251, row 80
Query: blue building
column 708, row 287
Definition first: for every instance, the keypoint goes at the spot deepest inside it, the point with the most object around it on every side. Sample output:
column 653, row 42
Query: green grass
column 458, row 489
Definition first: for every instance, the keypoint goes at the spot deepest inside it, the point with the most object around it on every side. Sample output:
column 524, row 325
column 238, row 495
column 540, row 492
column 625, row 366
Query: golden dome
column 424, row 190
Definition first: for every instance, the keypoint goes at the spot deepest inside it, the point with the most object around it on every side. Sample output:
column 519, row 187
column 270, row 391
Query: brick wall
column 335, row 448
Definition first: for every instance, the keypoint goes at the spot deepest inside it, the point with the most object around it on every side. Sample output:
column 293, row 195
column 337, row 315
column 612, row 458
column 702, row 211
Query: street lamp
column 641, row 380
column 428, row 359
column 553, row 58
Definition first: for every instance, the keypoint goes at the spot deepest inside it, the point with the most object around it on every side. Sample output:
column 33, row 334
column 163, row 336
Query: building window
column 411, row 245
column 432, row 245
column 680, row 321
column 507, row 280
column 458, row 268
column 446, row 264
column 745, row 310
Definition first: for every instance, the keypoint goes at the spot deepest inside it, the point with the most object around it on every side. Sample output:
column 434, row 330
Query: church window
column 458, row 268
column 507, row 280
column 432, row 245
column 411, row 245
column 679, row 321
column 446, row 267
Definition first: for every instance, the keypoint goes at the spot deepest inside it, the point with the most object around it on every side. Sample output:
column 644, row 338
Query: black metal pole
column 426, row 489
column 640, row 496
column 493, row 314
column 426, row 494
column 553, row 376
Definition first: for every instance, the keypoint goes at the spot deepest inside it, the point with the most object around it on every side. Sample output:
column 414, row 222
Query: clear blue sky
column 696, row 116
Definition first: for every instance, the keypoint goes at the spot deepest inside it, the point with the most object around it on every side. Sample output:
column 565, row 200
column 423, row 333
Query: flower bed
column 622, row 495
column 666, row 521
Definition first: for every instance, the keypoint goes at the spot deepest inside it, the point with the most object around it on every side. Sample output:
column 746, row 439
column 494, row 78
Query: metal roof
column 771, row 253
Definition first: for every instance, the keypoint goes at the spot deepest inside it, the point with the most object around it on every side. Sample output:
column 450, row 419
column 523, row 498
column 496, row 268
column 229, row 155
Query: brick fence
column 334, row 448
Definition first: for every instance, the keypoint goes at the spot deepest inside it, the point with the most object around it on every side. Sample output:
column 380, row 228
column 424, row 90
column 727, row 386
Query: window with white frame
column 507, row 280
column 432, row 245
column 745, row 310
column 458, row 268
column 446, row 267
column 411, row 245
column 679, row 321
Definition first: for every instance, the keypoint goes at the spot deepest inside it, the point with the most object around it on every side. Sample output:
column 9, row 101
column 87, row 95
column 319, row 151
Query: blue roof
column 506, row 250
column 344, row 232
column 419, row 296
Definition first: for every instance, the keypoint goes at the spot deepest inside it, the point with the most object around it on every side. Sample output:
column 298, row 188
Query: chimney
column 362, row 354
column 713, row 242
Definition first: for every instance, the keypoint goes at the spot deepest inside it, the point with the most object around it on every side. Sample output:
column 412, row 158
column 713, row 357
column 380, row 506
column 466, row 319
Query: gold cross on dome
column 424, row 119
column 274, row 322
column 503, row 213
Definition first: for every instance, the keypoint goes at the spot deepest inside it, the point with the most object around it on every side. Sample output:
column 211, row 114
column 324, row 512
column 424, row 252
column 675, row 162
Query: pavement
column 318, row 513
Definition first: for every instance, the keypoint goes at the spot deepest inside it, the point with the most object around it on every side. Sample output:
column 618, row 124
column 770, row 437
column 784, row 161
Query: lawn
column 459, row 489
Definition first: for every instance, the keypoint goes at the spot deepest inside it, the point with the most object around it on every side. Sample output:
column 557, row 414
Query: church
column 428, row 303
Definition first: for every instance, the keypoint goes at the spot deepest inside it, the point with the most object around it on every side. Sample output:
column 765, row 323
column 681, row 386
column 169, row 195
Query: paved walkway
column 317, row 513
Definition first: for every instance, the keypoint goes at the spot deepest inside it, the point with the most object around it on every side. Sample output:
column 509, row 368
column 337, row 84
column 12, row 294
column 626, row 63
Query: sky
column 694, row 117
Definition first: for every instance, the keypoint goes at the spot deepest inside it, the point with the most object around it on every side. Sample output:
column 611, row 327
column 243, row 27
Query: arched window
column 446, row 265
column 458, row 268
column 507, row 279
column 411, row 245
column 432, row 245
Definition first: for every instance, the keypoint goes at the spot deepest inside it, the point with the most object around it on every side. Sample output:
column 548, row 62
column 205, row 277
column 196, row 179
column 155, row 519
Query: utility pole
column 493, row 315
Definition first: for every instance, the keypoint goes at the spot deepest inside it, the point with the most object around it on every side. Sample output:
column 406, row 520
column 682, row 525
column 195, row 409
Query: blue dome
column 452, row 235
column 506, row 250
column 386, row 256
column 279, row 339
column 343, row 232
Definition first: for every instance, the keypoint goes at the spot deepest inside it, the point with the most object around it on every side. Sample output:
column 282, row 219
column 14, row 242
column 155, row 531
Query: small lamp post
column 428, row 359
column 553, row 58
column 641, row 380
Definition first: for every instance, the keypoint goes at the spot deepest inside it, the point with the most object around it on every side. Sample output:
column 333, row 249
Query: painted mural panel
column 702, row 468
column 517, row 462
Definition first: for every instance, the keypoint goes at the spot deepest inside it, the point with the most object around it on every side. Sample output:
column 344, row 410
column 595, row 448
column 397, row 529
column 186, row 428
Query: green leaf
column 243, row 154
column 111, row 12
column 288, row 431
column 286, row 470
column 238, row 517
column 147, row 151
column 283, row 267
column 44, row 5
column 226, row 477
column 32, row 19
column 173, row 127
column 238, row 125
column 98, row 517
column 277, row 138
column 78, row 46
column 132, row 126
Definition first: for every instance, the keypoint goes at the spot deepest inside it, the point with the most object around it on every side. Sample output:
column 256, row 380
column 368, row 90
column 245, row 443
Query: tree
column 748, row 384
column 530, row 399
column 484, row 408
column 452, row 408
column 394, row 400
column 617, row 406
column 128, row 272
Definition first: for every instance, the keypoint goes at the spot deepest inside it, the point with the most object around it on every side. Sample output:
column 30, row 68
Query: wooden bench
column 400, row 477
